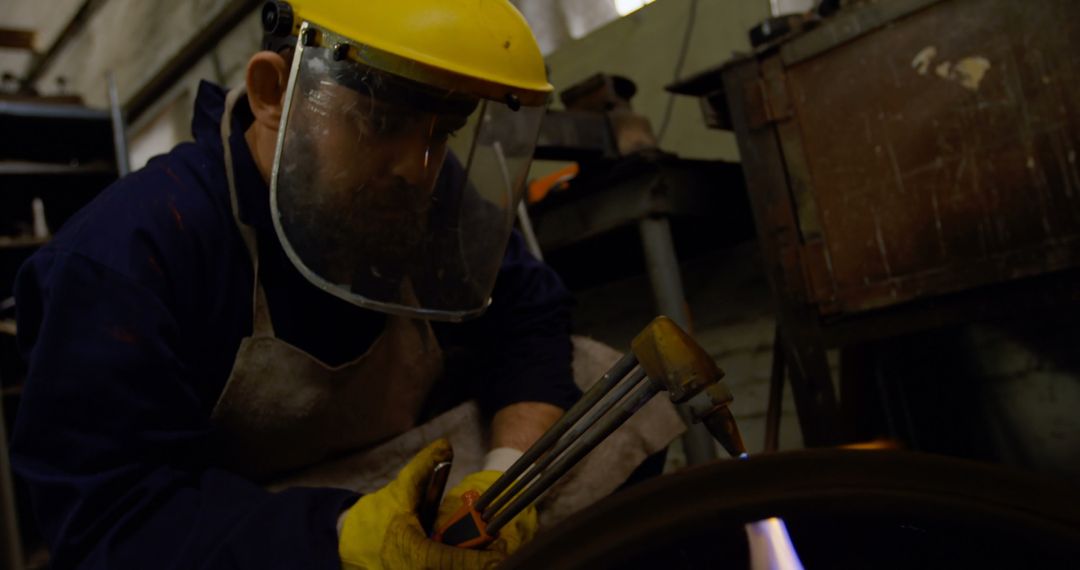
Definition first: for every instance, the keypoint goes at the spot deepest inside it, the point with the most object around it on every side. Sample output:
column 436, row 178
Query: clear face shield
column 368, row 200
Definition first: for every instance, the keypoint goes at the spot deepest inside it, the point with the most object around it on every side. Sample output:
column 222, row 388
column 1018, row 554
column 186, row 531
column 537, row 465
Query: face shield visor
column 368, row 199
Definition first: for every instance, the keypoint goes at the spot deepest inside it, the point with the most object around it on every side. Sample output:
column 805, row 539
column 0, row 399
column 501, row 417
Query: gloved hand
column 382, row 531
column 511, row 537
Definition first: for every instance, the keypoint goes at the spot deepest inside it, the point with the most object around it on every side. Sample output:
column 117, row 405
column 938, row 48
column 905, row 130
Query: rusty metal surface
column 575, row 135
column 767, row 184
column 848, row 25
column 913, row 174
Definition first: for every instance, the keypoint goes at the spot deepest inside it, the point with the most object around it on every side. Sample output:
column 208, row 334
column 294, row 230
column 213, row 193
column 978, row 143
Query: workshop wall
column 134, row 38
column 168, row 121
column 47, row 25
column 645, row 47
column 139, row 39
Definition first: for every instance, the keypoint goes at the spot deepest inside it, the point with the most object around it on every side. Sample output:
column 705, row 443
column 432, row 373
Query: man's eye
column 447, row 128
column 443, row 134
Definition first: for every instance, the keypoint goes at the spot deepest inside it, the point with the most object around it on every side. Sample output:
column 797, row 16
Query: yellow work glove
column 511, row 537
column 381, row 531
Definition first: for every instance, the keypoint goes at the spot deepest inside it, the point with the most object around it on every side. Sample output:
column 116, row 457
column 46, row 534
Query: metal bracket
column 767, row 101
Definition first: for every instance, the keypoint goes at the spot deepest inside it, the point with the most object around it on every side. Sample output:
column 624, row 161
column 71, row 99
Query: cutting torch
column 662, row 358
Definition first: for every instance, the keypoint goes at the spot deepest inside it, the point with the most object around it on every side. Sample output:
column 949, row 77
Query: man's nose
column 411, row 157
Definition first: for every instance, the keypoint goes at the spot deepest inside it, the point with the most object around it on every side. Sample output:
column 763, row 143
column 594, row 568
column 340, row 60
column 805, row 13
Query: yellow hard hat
column 480, row 46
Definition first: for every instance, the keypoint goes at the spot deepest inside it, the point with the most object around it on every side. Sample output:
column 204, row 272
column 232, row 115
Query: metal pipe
column 608, row 381
column 663, row 267
column 584, row 445
column 666, row 281
column 119, row 128
column 12, row 559
column 579, row 428
column 776, row 395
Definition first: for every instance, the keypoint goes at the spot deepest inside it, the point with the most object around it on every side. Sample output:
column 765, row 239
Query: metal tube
column 663, row 267
column 604, row 385
column 584, row 445
column 776, row 395
column 613, row 398
column 666, row 281
column 13, row 557
column 120, row 146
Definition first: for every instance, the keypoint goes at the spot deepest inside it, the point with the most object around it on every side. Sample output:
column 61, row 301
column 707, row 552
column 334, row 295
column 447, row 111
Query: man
column 300, row 283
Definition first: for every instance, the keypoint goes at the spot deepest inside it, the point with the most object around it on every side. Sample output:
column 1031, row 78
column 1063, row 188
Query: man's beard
column 371, row 240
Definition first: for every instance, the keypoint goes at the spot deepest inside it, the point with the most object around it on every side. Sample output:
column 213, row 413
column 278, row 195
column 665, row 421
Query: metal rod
column 606, row 382
column 776, row 395
column 666, row 281
column 579, row 428
column 584, row 445
column 663, row 267
column 12, row 557
column 119, row 128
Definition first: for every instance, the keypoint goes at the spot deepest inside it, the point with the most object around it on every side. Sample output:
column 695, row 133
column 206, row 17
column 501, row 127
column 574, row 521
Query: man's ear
column 267, row 78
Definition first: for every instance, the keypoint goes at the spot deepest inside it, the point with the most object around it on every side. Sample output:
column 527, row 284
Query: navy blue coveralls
column 130, row 320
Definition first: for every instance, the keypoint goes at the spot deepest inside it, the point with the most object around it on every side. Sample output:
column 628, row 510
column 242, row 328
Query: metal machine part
column 842, row 508
column 662, row 358
column 895, row 91
column 598, row 123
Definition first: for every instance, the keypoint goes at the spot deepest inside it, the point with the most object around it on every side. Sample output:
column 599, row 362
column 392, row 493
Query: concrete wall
column 137, row 39
column 791, row 6
column 168, row 121
column 47, row 23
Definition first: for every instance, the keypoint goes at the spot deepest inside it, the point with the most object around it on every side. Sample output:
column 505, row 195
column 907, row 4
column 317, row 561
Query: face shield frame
column 490, row 96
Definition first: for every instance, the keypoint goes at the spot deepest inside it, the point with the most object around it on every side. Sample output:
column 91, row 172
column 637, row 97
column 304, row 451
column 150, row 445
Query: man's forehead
column 382, row 90
column 388, row 104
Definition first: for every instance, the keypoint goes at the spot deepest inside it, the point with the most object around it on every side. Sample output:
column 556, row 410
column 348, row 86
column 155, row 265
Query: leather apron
column 283, row 409
column 288, row 420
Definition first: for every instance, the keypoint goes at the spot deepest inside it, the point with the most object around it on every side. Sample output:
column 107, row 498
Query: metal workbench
column 910, row 163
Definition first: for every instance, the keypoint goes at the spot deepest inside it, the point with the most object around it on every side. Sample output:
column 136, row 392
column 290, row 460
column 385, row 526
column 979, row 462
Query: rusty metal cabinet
column 905, row 151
